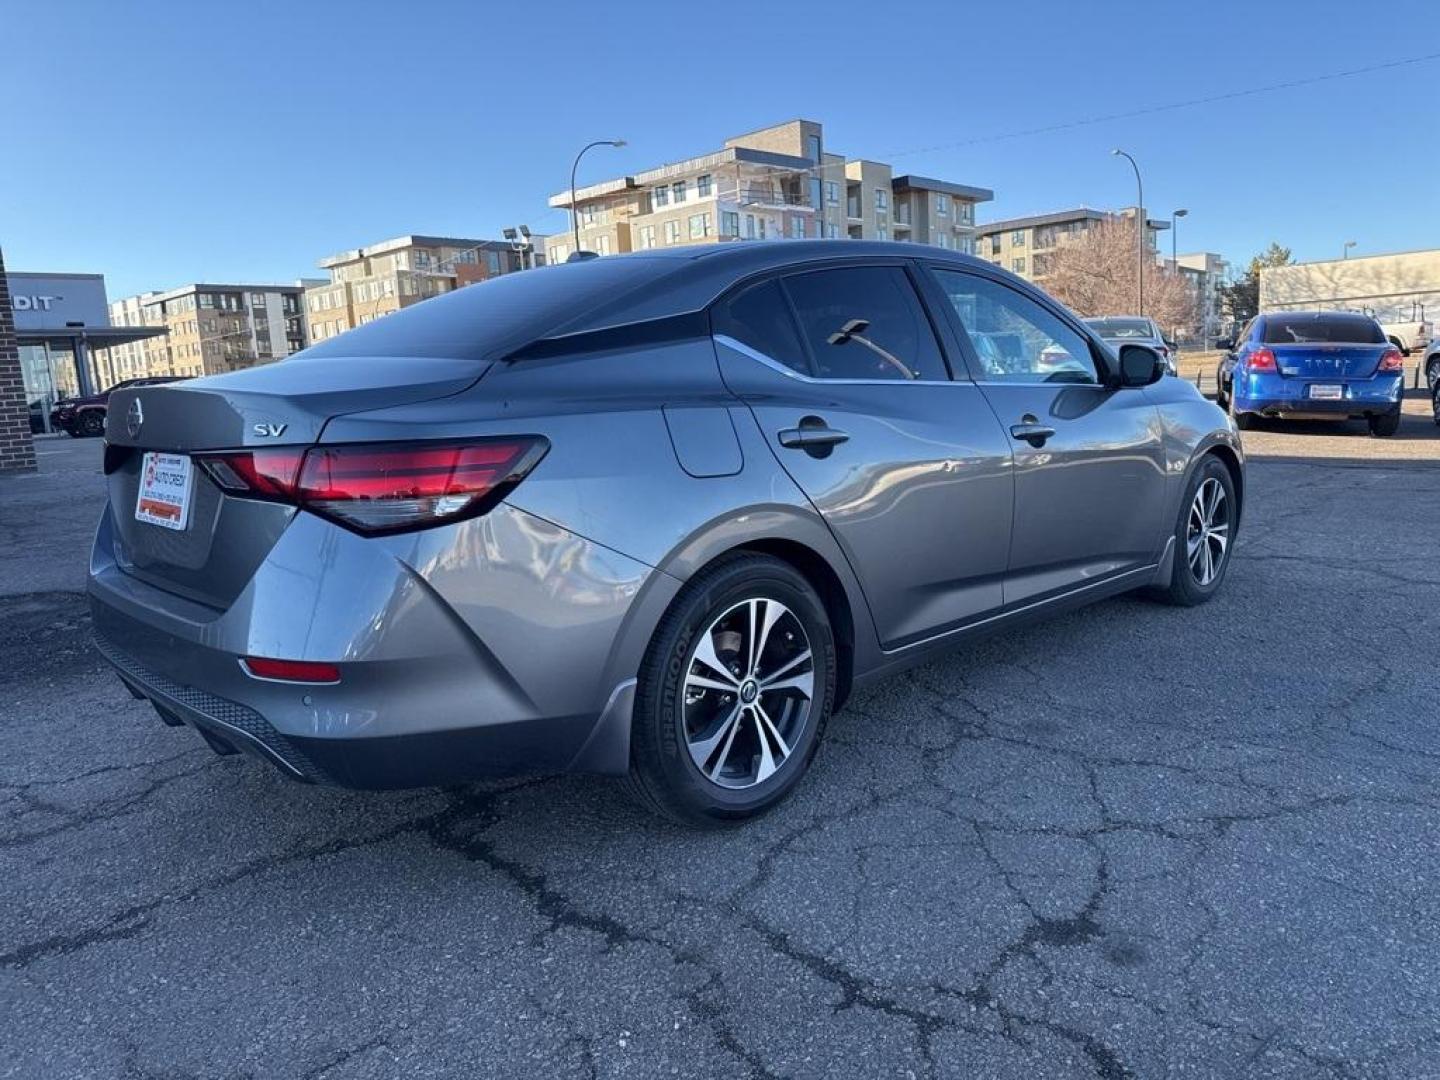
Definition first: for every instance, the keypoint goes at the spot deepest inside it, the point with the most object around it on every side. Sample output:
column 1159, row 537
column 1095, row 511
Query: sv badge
column 268, row 431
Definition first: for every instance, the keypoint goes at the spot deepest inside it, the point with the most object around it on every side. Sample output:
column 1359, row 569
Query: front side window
column 1016, row 339
column 760, row 318
column 865, row 322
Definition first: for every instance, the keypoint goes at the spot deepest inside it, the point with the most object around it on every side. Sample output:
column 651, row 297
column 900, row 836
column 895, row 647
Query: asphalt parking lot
column 1132, row 842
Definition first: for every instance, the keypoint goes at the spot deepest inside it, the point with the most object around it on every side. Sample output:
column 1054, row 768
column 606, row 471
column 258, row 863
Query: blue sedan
column 1312, row 365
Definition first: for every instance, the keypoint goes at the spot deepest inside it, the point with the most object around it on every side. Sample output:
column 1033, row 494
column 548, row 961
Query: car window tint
column 865, row 322
column 760, row 318
column 1016, row 339
column 1322, row 328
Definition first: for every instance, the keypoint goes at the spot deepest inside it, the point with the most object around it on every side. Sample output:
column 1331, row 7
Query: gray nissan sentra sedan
column 654, row 515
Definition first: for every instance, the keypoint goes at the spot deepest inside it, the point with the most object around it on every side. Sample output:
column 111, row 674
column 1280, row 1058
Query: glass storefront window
column 49, row 373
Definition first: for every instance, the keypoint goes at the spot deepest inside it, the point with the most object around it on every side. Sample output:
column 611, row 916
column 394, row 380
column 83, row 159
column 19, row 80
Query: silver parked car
column 654, row 515
column 1119, row 330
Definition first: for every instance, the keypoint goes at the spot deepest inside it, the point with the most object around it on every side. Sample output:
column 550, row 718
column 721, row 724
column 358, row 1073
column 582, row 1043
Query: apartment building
column 211, row 329
column 366, row 283
column 1024, row 245
column 775, row 183
column 1205, row 272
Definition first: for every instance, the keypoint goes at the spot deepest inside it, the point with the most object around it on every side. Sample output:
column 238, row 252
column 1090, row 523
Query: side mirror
column 1140, row 365
column 1225, row 344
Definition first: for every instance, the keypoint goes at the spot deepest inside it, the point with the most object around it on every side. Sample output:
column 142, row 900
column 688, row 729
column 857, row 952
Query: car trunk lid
column 1327, row 360
column 287, row 404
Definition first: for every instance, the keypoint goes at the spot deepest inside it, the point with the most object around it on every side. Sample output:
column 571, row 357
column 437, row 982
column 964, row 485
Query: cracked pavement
column 1133, row 841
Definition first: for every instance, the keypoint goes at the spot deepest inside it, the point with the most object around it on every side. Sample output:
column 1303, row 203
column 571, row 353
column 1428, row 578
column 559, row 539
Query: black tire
column 663, row 775
column 1222, row 396
column 1432, row 373
column 1384, row 425
column 90, row 424
column 1243, row 420
column 1186, row 589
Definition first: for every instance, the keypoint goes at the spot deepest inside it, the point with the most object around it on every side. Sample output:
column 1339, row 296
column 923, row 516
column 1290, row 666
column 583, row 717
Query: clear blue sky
column 243, row 141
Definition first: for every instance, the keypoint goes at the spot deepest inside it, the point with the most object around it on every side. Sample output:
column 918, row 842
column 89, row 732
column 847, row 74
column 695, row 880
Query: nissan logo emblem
column 134, row 418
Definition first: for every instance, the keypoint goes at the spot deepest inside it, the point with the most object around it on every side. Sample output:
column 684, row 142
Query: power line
column 1151, row 110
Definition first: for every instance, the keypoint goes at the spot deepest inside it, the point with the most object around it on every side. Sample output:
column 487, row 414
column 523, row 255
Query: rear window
column 1121, row 328
column 1303, row 329
column 500, row 314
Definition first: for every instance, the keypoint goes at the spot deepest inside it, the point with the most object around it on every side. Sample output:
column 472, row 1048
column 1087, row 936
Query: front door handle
column 814, row 436
column 1034, row 433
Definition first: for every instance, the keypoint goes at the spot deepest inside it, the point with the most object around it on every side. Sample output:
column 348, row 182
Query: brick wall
column 17, row 447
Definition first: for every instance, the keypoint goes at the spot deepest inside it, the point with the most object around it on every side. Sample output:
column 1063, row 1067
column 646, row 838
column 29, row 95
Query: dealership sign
column 34, row 303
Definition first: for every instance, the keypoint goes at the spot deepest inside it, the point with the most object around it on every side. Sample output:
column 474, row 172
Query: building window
column 678, row 190
column 942, row 239
column 699, row 226
column 602, row 245
column 942, row 205
column 703, row 185
column 882, row 199
column 797, row 227
column 1017, row 238
column 995, row 244
column 730, row 223
column 647, row 237
column 966, row 213
column 660, row 196
column 750, row 226
column 672, row 232
column 832, row 193
column 1018, row 265
column 812, row 147
column 965, row 244
column 763, row 226
column 559, row 253
column 882, row 233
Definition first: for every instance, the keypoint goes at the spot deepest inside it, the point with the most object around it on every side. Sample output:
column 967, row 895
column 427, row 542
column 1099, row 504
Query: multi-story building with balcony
column 366, row 283
column 776, row 183
column 1024, row 245
column 1205, row 272
column 212, row 328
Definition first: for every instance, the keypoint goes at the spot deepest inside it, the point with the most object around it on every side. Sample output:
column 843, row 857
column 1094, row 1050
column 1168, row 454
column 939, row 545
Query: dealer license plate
column 164, row 497
column 1327, row 391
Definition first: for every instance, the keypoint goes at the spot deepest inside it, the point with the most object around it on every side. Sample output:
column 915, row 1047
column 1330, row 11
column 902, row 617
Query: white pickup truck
column 1408, row 336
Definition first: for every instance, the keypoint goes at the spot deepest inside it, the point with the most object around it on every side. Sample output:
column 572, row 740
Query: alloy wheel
column 1207, row 534
column 748, row 692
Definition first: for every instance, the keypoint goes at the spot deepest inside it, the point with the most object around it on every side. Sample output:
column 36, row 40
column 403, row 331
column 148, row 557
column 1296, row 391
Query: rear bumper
column 1277, row 395
column 493, row 647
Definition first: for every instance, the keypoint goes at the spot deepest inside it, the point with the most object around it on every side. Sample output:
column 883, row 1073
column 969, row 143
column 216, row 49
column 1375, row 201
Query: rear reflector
column 381, row 488
column 1392, row 360
column 300, row 671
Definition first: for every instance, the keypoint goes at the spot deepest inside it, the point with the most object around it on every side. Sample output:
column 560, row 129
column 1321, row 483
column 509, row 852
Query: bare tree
column 1095, row 273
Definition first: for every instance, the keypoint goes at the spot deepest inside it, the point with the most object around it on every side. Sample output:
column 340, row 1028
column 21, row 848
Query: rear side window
column 1330, row 329
column 760, row 318
column 865, row 322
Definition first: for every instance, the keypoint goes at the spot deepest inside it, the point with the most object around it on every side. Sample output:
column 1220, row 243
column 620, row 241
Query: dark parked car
column 84, row 417
column 653, row 515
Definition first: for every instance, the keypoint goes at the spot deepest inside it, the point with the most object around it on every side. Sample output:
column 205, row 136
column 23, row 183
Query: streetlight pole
column 1175, row 216
column 575, row 210
column 1348, row 245
column 1139, row 230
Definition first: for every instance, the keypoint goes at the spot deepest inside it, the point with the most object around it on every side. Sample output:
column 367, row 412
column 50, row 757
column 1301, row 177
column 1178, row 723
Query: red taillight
column 386, row 487
column 1392, row 360
column 1261, row 360
column 301, row 671
column 261, row 474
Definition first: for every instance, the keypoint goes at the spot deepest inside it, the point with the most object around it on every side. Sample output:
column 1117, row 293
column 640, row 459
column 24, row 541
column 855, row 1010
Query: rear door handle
column 813, row 435
column 807, row 438
column 1033, row 433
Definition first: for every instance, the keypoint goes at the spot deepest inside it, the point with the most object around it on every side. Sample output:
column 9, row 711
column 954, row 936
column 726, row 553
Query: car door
column 911, row 474
column 1090, row 469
